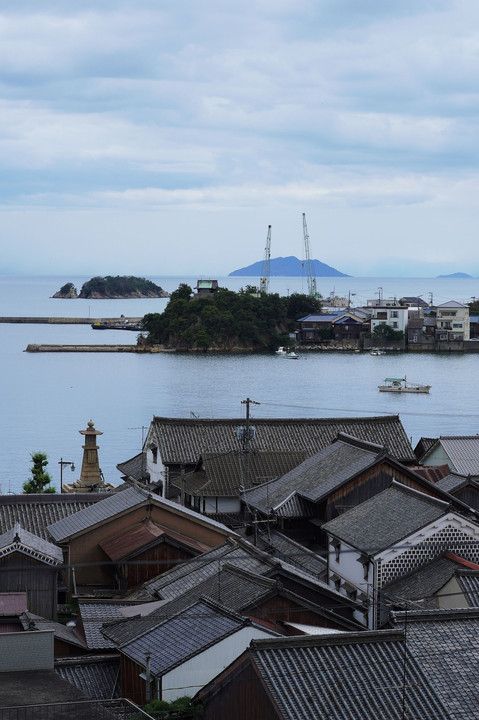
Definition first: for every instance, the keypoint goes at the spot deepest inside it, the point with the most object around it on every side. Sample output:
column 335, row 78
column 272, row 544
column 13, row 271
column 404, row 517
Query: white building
column 452, row 321
column 392, row 314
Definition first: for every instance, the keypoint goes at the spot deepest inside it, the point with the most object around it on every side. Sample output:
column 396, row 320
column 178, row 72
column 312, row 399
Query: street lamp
column 62, row 464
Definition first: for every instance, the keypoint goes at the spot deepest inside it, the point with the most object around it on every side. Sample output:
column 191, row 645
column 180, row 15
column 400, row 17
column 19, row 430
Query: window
column 457, row 325
column 154, row 452
column 394, row 313
column 394, row 324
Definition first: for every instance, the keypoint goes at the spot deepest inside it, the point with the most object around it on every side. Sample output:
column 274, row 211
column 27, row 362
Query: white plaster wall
column 190, row 677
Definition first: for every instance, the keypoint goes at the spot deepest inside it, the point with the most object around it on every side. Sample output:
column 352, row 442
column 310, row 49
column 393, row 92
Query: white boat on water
column 401, row 385
column 291, row 355
column 377, row 352
column 281, row 351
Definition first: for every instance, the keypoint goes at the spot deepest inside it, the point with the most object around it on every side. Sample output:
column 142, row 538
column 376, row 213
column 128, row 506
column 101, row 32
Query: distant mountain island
column 288, row 267
column 455, row 275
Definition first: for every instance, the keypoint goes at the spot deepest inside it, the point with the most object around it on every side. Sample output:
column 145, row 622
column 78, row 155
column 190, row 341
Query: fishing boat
column 291, row 355
column 377, row 352
column 281, row 351
column 116, row 326
column 401, row 385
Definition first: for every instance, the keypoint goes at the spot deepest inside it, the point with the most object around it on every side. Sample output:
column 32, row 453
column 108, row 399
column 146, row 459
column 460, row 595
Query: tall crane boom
column 264, row 281
column 312, row 291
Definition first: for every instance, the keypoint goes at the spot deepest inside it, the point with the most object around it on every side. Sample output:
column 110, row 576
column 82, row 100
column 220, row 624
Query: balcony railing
column 86, row 710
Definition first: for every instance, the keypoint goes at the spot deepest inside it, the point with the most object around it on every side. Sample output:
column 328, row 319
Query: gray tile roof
column 468, row 581
column 386, row 519
column 222, row 474
column 315, row 478
column 35, row 512
column 182, row 440
column 232, row 587
column 346, row 676
column 235, row 574
column 453, row 482
column 116, row 504
column 284, row 548
column 19, row 539
column 135, row 467
column 93, row 616
column 97, row 513
column 96, row 676
column 30, row 621
column 420, row 587
column 172, row 642
column 445, row 645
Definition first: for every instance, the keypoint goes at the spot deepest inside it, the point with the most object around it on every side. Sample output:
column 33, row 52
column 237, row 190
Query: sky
column 162, row 138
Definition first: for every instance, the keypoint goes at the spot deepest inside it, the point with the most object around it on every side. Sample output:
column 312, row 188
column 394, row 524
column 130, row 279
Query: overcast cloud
column 161, row 138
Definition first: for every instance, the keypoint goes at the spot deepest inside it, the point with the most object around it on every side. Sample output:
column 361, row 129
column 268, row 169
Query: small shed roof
column 17, row 539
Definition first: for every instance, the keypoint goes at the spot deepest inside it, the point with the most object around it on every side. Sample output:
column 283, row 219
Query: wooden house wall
column 241, row 695
column 153, row 562
column 370, row 483
column 280, row 608
column 315, row 595
column 92, row 566
column 133, row 687
column 468, row 495
column 20, row 573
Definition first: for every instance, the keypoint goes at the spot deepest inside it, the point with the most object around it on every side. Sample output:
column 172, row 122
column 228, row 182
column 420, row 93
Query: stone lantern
column 91, row 477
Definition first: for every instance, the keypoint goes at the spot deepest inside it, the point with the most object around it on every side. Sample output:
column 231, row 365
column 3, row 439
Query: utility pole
column 246, row 440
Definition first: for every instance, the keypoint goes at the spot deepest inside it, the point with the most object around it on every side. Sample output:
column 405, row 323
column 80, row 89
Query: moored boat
column 116, row 326
column 401, row 385
column 291, row 355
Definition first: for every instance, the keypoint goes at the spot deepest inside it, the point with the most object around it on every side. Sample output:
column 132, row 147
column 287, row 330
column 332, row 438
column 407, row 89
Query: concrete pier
column 68, row 320
column 36, row 347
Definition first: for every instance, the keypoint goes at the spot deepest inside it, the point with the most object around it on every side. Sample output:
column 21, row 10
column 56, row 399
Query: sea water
column 48, row 397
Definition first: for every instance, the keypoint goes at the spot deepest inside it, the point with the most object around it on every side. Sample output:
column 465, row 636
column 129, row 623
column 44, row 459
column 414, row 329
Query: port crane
column 312, row 290
column 264, row 280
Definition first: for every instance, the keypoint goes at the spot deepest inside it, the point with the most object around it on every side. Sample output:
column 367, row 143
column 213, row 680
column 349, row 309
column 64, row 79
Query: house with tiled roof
column 387, row 537
column 350, row 676
column 173, row 660
column 462, row 487
column 175, row 445
column 126, row 538
column 248, row 581
column 29, row 561
column 216, row 483
column 339, row 477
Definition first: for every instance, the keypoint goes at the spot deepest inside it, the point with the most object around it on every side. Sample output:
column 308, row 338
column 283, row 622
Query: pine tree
column 40, row 480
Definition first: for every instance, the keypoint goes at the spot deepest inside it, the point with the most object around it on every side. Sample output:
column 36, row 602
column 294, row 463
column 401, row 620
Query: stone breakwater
column 35, row 347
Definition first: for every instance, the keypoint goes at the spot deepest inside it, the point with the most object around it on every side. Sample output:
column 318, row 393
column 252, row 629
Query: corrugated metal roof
column 173, row 642
column 182, row 440
column 463, row 452
column 344, row 676
column 386, row 518
column 469, row 583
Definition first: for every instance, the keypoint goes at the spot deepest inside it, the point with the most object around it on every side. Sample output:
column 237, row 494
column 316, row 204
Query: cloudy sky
column 162, row 138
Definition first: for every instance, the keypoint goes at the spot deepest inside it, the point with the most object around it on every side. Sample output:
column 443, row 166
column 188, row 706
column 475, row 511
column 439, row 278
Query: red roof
column 141, row 536
column 13, row 603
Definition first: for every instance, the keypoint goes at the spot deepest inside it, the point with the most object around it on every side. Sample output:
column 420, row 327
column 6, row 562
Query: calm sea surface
column 47, row 398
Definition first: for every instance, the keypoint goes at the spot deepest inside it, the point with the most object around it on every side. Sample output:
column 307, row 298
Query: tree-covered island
column 109, row 287
column 227, row 321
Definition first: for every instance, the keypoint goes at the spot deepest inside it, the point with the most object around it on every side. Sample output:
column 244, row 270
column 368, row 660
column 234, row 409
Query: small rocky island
column 109, row 287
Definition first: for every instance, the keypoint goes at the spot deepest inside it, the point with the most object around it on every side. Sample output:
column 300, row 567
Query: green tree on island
column 226, row 320
column 40, row 480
